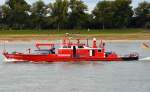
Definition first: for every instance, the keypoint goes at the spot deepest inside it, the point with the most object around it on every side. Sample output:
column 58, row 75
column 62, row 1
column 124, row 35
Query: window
column 69, row 46
column 66, row 46
column 99, row 50
column 93, row 52
column 106, row 55
column 80, row 47
column 43, row 52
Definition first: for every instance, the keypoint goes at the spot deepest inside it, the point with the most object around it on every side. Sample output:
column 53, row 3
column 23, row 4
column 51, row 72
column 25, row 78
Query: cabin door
column 74, row 51
column 92, row 52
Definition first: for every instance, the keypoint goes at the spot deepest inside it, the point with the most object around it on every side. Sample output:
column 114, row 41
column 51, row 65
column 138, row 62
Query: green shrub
column 147, row 25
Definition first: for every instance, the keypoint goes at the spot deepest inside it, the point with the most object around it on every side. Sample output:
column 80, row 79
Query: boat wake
column 147, row 58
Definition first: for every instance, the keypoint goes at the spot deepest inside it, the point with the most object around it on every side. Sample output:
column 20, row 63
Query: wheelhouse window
column 45, row 51
column 69, row 46
column 66, row 46
column 80, row 47
column 99, row 50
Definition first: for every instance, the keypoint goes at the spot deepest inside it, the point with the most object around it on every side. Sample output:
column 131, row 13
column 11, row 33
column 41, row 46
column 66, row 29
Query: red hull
column 54, row 58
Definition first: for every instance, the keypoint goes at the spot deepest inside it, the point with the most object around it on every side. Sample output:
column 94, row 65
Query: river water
column 77, row 77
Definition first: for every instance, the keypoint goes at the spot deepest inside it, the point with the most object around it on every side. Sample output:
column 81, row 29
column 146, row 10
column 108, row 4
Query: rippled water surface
column 77, row 77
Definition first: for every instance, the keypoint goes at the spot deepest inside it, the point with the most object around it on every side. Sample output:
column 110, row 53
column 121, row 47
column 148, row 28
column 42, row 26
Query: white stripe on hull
column 11, row 60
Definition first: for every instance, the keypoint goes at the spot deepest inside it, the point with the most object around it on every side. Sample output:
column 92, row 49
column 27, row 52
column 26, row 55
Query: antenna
column 87, row 42
column 4, row 46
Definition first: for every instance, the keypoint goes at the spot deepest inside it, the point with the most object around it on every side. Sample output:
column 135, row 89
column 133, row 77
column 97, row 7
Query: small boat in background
column 145, row 45
column 69, row 52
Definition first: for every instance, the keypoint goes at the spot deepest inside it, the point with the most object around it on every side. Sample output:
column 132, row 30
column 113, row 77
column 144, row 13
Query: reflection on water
column 77, row 77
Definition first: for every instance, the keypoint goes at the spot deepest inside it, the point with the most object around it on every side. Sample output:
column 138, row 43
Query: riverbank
column 143, row 36
column 123, row 34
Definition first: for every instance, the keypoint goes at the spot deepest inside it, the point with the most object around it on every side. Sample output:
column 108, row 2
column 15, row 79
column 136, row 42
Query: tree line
column 73, row 14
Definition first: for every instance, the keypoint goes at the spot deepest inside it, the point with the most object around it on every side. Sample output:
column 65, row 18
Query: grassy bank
column 86, row 31
column 109, row 34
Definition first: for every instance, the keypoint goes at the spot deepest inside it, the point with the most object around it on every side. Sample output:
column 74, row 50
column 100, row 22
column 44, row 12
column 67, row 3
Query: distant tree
column 103, row 14
column 116, row 14
column 15, row 11
column 142, row 14
column 4, row 13
column 1, row 17
column 122, row 13
column 38, row 14
column 77, row 13
column 58, row 11
column 1, row 13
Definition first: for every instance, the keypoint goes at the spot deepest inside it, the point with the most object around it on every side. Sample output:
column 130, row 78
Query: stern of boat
column 130, row 57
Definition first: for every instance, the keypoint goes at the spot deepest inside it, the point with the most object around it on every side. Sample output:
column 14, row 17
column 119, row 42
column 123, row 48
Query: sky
column 90, row 3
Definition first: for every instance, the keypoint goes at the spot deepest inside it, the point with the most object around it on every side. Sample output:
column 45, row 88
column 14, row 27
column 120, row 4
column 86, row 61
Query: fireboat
column 68, row 52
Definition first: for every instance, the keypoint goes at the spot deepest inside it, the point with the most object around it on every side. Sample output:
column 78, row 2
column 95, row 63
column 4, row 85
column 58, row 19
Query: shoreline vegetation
column 107, row 34
column 109, row 20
